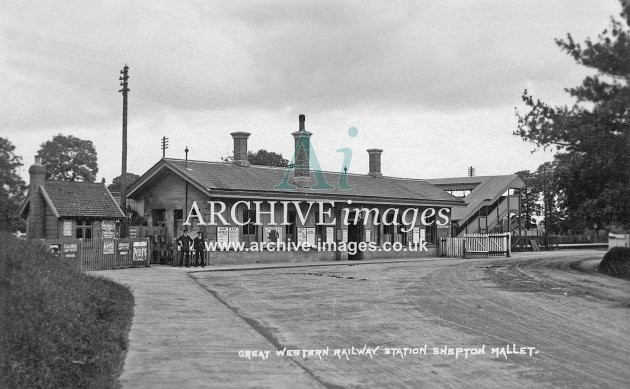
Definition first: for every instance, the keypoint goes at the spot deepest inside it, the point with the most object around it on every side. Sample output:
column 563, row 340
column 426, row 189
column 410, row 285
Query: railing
column 101, row 254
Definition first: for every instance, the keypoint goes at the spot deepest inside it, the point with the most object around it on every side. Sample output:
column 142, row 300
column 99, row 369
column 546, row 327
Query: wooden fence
column 477, row 245
column 102, row 254
column 452, row 247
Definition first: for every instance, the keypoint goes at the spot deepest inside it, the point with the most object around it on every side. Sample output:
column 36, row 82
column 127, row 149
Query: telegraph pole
column 164, row 146
column 123, row 178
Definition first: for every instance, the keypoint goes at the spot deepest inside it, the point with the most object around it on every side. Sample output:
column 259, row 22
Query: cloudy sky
column 433, row 83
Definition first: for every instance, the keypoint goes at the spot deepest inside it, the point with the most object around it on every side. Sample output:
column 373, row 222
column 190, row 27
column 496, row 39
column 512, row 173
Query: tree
column 115, row 186
column 592, row 138
column 262, row 157
column 530, row 199
column 267, row 158
column 12, row 187
column 68, row 158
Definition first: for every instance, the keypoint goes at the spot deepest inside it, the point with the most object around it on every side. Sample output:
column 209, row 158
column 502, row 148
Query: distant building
column 60, row 209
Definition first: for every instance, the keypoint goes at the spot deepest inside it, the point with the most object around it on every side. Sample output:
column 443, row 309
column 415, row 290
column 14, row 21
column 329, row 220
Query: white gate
column 485, row 245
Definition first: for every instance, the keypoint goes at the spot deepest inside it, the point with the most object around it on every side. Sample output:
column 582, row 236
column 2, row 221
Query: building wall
column 169, row 194
column 51, row 224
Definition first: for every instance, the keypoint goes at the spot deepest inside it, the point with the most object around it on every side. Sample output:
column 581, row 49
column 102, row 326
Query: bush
column 59, row 327
column 616, row 263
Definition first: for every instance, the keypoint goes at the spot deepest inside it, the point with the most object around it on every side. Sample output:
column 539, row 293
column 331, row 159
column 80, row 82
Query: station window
column 249, row 229
column 290, row 229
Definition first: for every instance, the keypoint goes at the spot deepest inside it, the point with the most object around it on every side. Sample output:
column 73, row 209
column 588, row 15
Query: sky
column 435, row 84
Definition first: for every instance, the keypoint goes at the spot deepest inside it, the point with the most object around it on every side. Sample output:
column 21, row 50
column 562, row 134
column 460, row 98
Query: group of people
column 187, row 246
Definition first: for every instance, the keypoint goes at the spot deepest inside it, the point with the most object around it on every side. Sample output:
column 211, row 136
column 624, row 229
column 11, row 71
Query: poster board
column 140, row 251
column 134, row 232
column 330, row 234
column 233, row 234
column 272, row 234
column 108, row 229
column 70, row 250
column 301, row 235
column 222, row 235
column 123, row 248
column 416, row 235
column 109, row 247
column 310, row 236
column 67, row 228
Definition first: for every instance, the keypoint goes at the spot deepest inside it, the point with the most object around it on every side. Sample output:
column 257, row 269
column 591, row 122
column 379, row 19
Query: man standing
column 184, row 242
column 199, row 244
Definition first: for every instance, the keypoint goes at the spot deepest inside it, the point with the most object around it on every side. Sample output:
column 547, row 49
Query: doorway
column 355, row 235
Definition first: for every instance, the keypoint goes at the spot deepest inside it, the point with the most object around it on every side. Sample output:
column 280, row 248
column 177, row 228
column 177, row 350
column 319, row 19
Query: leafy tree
column 267, row 158
column 115, row 186
column 12, row 187
column 68, row 158
column 530, row 199
column 592, row 137
column 262, row 157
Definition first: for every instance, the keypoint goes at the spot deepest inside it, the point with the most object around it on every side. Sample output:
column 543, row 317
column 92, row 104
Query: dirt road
column 576, row 323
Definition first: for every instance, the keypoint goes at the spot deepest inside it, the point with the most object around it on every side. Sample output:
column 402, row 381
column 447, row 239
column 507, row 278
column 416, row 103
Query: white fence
column 477, row 245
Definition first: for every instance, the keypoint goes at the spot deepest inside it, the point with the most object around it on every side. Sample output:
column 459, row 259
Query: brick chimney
column 240, row 148
column 375, row 162
column 35, row 222
column 301, row 165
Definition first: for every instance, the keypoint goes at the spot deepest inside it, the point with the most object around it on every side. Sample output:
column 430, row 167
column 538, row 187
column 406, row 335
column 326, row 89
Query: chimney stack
column 240, row 148
column 35, row 223
column 301, row 165
column 375, row 162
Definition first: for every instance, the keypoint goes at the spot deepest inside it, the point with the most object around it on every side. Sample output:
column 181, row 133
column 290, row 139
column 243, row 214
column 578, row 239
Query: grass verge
column 58, row 327
column 616, row 263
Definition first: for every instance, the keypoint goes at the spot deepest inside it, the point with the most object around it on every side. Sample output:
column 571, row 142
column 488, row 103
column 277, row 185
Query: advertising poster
column 108, row 247
column 108, row 229
column 416, row 235
column 222, row 235
column 368, row 235
column 123, row 248
column 310, row 236
column 140, row 251
column 330, row 234
column 233, row 234
column 301, row 235
column 67, row 228
column 272, row 234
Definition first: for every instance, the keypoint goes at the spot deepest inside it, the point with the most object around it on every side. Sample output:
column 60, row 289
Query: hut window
column 83, row 229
